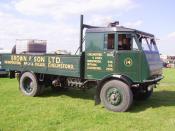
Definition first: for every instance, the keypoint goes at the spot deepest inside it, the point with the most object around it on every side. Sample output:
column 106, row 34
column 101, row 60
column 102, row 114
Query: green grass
column 169, row 76
column 75, row 110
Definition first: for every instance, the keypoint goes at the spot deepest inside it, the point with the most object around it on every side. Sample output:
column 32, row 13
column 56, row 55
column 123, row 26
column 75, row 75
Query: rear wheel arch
column 22, row 72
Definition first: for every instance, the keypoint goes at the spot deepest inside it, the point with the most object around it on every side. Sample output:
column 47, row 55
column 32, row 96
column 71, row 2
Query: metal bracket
column 41, row 77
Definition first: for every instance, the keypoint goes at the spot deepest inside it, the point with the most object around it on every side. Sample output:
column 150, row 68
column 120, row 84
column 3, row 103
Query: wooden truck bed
column 64, row 65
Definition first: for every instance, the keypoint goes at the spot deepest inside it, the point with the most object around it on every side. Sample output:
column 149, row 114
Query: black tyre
column 143, row 94
column 29, row 85
column 116, row 96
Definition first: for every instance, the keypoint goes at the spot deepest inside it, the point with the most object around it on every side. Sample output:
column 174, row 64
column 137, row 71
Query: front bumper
column 153, row 80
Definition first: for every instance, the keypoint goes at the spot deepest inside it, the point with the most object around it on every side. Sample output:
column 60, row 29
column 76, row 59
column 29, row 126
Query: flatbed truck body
column 64, row 65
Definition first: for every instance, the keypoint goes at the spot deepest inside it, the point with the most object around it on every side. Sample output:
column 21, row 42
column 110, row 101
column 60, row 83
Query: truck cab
column 125, row 61
column 122, row 51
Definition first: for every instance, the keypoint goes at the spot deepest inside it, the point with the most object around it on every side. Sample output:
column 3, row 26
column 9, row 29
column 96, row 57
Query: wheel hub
column 114, row 96
column 28, row 85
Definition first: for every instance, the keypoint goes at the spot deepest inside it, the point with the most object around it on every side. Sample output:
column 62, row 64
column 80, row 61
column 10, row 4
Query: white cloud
column 134, row 24
column 59, row 32
column 12, row 28
column 100, row 20
column 61, row 8
column 171, row 35
column 167, row 44
column 5, row 6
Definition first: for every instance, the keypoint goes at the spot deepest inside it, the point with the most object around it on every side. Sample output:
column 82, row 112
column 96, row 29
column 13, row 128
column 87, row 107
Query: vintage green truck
column 121, row 63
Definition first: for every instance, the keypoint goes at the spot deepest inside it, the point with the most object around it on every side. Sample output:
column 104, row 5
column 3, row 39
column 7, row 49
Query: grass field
column 75, row 111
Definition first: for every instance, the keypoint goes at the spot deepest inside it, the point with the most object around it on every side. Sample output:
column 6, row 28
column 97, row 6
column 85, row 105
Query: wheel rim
column 114, row 96
column 28, row 85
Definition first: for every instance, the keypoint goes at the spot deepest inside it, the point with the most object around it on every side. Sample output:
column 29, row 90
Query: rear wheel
column 29, row 85
column 116, row 96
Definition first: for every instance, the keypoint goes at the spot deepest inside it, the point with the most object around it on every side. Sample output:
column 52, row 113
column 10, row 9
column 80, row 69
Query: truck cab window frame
column 145, row 44
column 134, row 44
column 124, row 41
column 109, row 41
column 153, row 45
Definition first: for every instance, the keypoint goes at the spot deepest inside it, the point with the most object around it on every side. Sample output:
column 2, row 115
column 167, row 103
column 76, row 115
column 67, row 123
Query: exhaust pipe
column 81, row 33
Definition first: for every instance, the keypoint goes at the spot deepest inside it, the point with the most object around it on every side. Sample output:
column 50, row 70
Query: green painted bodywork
column 143, row 65
column 104, row 64
column 63, row 65
column 118, row 66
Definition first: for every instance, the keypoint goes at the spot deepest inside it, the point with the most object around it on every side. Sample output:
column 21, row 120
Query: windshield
column 148, row 44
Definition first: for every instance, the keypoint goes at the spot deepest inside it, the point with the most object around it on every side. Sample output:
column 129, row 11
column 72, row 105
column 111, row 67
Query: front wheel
column 116, row 96
column 29, row 85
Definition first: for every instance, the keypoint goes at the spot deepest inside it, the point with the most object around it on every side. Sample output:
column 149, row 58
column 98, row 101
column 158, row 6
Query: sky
column 57, row 21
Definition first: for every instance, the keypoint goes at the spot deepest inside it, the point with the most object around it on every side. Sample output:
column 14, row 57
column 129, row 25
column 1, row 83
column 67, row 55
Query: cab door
column 128, row 57
column 100, row 63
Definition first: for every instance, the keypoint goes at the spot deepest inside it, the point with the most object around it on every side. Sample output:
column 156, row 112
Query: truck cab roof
column 118, row 29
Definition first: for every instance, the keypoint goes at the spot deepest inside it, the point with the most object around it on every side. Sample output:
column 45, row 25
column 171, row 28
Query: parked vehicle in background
column 3, row 72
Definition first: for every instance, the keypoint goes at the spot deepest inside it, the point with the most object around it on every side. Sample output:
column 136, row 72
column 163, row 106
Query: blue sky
column 57, row 21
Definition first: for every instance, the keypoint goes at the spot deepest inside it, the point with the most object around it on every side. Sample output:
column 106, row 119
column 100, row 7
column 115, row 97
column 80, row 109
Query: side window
column 124, row 42
column 109, row 41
